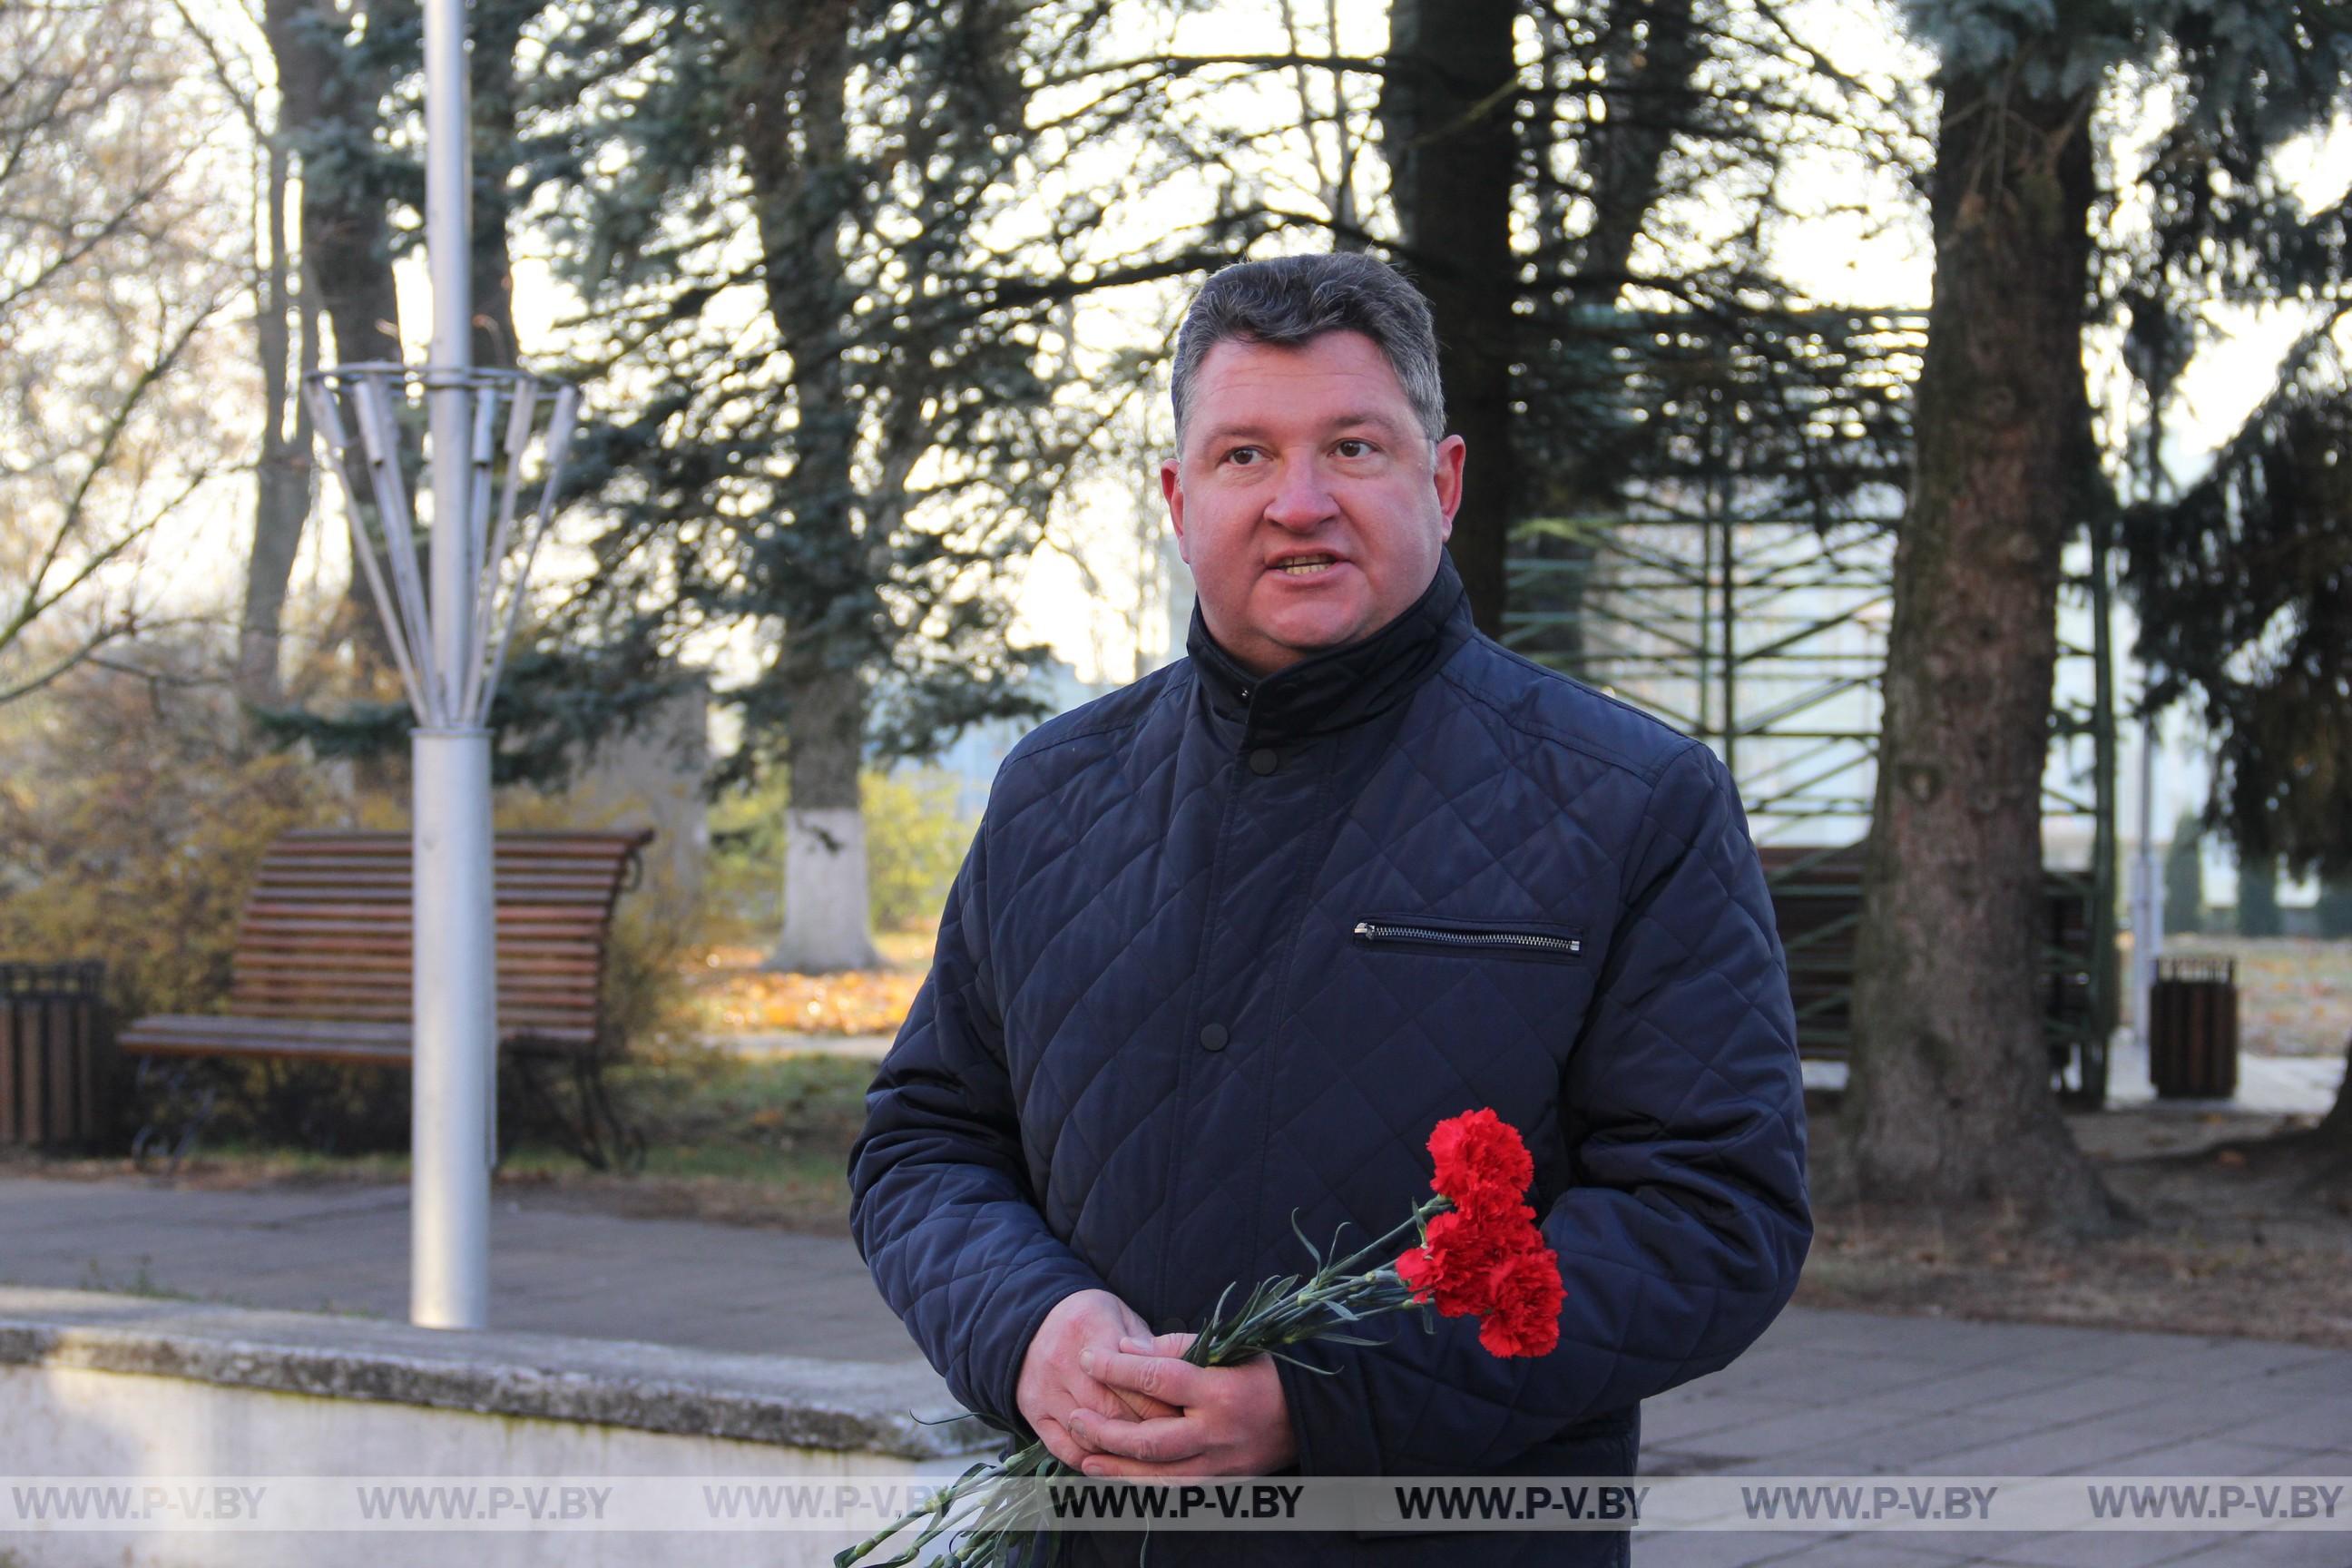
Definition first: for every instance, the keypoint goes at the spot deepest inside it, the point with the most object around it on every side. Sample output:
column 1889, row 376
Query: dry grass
column 2237, row 1240
column 734, row 995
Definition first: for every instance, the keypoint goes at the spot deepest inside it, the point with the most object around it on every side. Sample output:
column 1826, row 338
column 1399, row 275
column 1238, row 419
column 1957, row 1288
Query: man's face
column 1306, row 500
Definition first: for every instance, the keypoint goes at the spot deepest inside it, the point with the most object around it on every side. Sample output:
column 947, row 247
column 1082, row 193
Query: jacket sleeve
column 941, row 1202
column 1682, row 1234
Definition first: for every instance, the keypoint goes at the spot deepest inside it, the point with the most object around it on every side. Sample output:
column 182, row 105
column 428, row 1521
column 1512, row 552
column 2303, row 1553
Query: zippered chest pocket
column 1497, row 939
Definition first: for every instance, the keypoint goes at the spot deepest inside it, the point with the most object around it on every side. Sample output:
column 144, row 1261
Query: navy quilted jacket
column 1225, row 950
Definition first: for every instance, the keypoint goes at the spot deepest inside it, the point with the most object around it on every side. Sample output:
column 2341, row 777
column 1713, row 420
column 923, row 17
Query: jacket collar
column 1343, row 686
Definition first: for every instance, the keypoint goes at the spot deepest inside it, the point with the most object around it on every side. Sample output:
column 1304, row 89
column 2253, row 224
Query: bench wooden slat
column 512, row 846
column 359, row 1042
column 1817, row 904
column 323, row 957
column 398, row 1016
column 359, row 954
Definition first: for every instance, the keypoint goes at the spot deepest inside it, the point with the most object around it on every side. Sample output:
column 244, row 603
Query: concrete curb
column 869, row 1407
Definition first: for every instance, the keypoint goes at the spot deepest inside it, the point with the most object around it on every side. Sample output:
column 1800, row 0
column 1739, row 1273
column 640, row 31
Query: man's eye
column 1243, row 456
column 1355, row 448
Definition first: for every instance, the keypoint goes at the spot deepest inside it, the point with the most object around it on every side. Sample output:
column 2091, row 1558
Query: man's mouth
column 1305, row 565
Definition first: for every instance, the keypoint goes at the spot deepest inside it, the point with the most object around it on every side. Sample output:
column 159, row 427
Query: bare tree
column 108, row 280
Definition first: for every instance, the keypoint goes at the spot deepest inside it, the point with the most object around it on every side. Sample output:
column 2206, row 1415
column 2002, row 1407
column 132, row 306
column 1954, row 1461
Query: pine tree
column 1950, row 1097
column 2258, row 905
column 2184, row 877
column 843, row 364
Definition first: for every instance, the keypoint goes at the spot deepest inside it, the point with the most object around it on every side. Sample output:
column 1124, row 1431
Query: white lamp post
column 485, row 424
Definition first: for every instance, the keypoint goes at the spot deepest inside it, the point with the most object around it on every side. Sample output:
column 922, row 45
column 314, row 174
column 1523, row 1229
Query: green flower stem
column 1281, row 1312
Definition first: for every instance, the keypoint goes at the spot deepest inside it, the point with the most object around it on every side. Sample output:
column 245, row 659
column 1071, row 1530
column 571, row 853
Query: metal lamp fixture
column 449, row 618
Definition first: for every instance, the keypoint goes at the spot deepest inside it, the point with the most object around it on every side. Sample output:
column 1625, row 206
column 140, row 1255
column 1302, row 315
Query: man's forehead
column 1342, row 348
column 1333, row 379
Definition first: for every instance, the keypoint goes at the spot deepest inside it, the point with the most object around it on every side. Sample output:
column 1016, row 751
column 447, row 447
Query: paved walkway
column 1822, row 1392
column 2276, row 1085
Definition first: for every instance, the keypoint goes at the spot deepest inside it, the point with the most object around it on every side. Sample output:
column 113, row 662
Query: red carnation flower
column 1480, row 1163
column 1457, row 1266
column 1486, row 1259
column 1526, row 1295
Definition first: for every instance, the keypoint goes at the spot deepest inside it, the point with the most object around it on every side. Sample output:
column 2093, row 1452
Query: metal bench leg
column 606, row 1142
column 182, row 1080
column 531, row 1104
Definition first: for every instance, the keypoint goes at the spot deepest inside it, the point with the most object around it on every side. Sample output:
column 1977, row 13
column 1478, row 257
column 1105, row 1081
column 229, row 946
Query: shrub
column 914, row 843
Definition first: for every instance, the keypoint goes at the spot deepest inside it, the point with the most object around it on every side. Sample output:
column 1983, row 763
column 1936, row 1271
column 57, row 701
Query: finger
column 1163, row 1377
column 1059, row 1444
column 1162, row 1441
column 1141, row 1406
column 1087, row 1393
column 1119, row 1403
column 1110, row 1466
column 1157, row 1344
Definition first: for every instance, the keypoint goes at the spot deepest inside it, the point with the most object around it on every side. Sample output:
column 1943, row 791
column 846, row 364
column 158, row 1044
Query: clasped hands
column 1110, row 1398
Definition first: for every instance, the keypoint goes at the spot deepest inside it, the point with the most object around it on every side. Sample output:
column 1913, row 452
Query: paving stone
column 2106, row 1549
column 2208, row 1456
column 2297, row 1548
column 1675, row 1421
column 1824, row 1379
column 1872, row 1550
column 1918, row 1444
column 1944, row 1341
column 1776, row 1437
column 1960, row 1545
column 1974, row 1389
column 2082, row 1448
column 2216, row 1358
column 1714, row 1547
column 2040, row 1398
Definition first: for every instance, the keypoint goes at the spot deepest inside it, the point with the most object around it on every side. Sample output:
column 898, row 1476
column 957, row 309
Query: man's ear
column 1172, row 490
column 1446, row 475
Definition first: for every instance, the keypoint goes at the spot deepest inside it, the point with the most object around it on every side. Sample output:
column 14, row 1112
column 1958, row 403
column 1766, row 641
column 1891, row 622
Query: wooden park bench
column 1817, row 902
column 323, row 974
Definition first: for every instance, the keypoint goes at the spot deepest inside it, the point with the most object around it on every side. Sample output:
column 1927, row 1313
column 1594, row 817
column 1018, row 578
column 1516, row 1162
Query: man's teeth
column 1305, row 568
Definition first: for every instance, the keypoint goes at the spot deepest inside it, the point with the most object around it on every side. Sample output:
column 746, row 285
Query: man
column 1230, row 942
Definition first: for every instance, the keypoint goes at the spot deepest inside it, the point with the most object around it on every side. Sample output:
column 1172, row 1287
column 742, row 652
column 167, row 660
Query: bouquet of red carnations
column 1480, row 1254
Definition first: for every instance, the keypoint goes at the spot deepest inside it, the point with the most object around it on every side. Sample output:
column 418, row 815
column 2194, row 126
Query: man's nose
column 1300, row 499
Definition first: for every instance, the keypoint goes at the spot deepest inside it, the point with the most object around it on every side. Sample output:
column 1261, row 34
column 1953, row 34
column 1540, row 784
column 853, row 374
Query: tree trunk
column 330, row 109
column 1447, row 115
column 827, row 911
column 1950, row 1095
column 2335, row 1129
column 1650, row 51
column 792, row 107
column 282, row 490
column 2258, row 905
column 497, row 30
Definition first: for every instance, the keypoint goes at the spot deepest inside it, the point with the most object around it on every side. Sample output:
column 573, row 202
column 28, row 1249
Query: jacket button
column 1213, row 1036
column 1262, row 761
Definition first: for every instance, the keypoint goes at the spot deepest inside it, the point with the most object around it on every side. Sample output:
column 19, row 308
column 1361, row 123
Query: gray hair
column 1293, row 300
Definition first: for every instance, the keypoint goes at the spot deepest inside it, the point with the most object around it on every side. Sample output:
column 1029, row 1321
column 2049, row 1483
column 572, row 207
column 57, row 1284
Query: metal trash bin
column 2192, row 1028
column 52, row 1034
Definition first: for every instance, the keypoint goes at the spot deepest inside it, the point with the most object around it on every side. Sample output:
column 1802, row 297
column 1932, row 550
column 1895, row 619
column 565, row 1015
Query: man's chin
column 1311, row 629
column 1306, row 642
